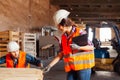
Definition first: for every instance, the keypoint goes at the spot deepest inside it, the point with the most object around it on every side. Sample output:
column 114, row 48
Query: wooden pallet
column 5, row 37
column 104, row 64
column 99, row 61
column 20, row 74
column 28, row 43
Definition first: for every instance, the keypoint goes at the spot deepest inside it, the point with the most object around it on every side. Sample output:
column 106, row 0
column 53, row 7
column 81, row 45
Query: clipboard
column 81, row 40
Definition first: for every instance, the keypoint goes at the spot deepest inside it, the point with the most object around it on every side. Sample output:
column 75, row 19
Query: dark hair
column 66, row 22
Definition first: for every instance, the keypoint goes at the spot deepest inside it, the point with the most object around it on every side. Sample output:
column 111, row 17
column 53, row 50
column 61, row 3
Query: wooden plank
column 10, row 35
column 4, row 41
column 46, row 46
column 15, row 33
column 3, row 52
column 4, row 36
column 4, row 32
column 15, row 38
column 103, row 61
column 3, row 44
column 30, row 37
column 107, row 67
column 3, row 48
column 26, row 41
column 29, row 34
column 20, row 74
column 20, row 70
column 3, row 65
column 9, row 32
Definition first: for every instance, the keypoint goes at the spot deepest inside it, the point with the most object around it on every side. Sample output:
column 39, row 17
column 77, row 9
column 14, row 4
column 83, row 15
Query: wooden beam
column 58, row 2
column 102, row 13
column 117, row 18
column 89, row 5
column 91, row 9
column 92, row 22
column 79, row 19
column 94, row 14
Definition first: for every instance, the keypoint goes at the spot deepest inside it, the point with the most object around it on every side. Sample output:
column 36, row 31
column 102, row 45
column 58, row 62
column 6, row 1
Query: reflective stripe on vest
column 77, row 54
column 79, row 61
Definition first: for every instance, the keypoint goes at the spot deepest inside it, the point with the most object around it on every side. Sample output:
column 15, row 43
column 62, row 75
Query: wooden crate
column 104, row 67
column 104, row 64
column 5, row 37
column 20, row 74
column 28, row 43
column 99, row 61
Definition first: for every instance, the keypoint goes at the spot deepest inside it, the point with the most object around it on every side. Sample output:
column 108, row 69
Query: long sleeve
column 32, row 60
column 3, row 60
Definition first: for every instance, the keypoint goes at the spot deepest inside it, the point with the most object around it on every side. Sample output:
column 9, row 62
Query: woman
column 78, row 59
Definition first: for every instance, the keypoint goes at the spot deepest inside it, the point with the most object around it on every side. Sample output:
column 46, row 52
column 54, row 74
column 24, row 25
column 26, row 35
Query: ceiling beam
column 91, row 9
column 95, row 21
column 96, row 18
column 58, row 2
column 79, row 20
column 96, row 14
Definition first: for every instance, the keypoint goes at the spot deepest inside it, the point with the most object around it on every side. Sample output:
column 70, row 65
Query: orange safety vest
column 78, row 60
column 21, row 61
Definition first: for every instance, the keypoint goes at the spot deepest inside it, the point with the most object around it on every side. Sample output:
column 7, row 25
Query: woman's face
column 64, row 28
column 15, row 54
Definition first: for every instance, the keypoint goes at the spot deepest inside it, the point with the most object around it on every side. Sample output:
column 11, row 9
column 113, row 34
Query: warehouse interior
column 30, row 23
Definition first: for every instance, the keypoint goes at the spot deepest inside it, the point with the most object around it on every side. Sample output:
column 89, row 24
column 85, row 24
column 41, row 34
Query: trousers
column 79, row 75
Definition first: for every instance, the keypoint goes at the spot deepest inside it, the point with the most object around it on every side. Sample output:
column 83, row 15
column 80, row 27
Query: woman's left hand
column 75, row 46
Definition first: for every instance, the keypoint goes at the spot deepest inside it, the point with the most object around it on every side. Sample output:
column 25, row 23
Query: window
column 90, row 37
column 105, row 34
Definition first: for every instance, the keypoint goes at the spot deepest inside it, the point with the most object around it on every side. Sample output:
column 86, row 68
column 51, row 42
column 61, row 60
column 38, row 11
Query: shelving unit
column 28, row 43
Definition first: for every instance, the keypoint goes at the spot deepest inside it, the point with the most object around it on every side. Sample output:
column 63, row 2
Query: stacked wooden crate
column 28, row 43
column 5, row 37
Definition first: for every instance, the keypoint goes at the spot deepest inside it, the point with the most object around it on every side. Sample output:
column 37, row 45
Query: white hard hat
column 59, row 15
column 12, row 46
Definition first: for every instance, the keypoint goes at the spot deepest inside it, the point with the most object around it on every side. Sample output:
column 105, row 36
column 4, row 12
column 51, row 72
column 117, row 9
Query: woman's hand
column 75, row 46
